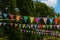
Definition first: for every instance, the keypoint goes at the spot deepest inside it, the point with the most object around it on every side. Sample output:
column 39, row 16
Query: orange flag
column 17, row 18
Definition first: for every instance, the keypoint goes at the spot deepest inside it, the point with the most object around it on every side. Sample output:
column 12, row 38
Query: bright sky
column 52, row 3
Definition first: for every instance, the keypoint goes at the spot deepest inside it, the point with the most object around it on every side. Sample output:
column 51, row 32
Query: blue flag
column 51, row 20
column 4, row 23
column 5, row 15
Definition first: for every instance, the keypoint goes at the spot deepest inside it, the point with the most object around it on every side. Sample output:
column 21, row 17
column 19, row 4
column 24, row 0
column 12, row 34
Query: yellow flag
column 51, row 26
column 16, row 25
column 23, row 25
column 31, row 19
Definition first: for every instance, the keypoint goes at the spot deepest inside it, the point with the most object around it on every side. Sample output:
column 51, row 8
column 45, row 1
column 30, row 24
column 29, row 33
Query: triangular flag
column 24, row 25
column 54, row 26
column 25, row 18
column 16, row 25
column 43, row 26
column 5, row 15
column 17, row 18
column 47, row 26
column 0, row 23
column 51, row 34
column 56, row 20
column 45, row 19
column 37, row 19
column 51, row 20
column 31, row 19
column 20, row 25
column 51, row 26
column 35, row 26
column 58, row 26
column 11, row 16
column 11, row 24
column 32, row 25
column 4, row 23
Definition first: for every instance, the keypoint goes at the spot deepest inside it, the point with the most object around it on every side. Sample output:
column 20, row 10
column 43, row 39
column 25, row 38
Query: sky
column 52, row 3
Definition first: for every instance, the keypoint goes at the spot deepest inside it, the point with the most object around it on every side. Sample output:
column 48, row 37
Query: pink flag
column 11, row 24
column 11, row 16
column 45, row 19
column 37, row 19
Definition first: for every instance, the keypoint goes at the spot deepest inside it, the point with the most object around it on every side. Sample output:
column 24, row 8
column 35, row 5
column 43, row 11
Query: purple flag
column 37, row 19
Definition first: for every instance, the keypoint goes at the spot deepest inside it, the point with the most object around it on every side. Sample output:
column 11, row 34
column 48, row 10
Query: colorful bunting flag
column 11, row 24
column 45, row 20
column 31, row 19
column 54, row 26
column 24, row 25
column 16, row 25
column 43, row 26
column 47, row 26
column 58, row 26
column 51, row 20
column 5, row 15
column 4, row 23
column 56, row 20
column 25, row 18
column 11, row 16
column 50, row 26
column 35, row 26
column 17, row 18
column 37, row 19
column 20, row 25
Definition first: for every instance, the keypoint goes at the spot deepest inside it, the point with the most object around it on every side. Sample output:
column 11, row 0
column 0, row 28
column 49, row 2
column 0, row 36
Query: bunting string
column 32, row 19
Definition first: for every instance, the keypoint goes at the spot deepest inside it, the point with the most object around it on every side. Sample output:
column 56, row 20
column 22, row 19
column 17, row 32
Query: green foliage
column 26, row 8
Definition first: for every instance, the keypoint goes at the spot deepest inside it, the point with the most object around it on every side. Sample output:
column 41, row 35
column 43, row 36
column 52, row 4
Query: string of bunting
column 32, row 19
column 34, row 26
column 44, row 33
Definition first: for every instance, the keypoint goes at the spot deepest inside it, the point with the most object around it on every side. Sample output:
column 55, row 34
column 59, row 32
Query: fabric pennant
column 5, row 15
column 35, row 26
column 43, row 26
column 17, row 18
column 4, row 23
column 37, row 19
column 32, row 25
column 20, row 25
column 24, row 25
column 50, row 26
column 11, row 16
column 31, row 19
column 0, row 23
column 11, row 24
column 25, row 18
column 47, row 26
column 58, row 26
column 51, row 20
column 56, row 20
column 54, row 26
column 16, row 25
column 45, row 20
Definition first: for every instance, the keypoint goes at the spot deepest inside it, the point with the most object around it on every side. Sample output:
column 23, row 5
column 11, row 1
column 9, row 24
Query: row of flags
column 35, row 26
column 44, row 33
column 32, row 19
